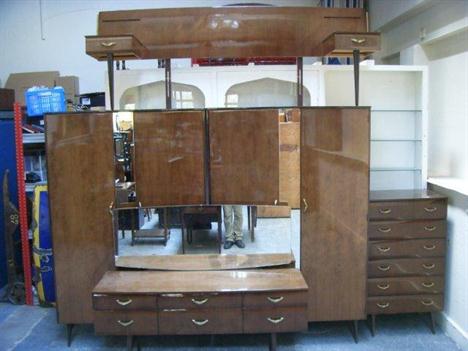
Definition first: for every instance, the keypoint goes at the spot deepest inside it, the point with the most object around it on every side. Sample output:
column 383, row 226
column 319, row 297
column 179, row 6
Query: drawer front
column 196, row 301
column 405, row 286
column 407, row 229
column 406, row 267
column 281, row 298
column 364, row 42
column 126, row 323
column 404, row 304
column 111, row 44
column 408, row 210
column 407, row 248
column 275, row 320
column 123, row 302
column 203, row 321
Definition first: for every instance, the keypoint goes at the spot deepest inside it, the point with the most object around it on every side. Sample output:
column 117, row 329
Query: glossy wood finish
column 404, row 304
column 407, row 229
column 123, row 302
column 405, row 285
column 275, row 320
column 80, row 163
column 232, row 31
column 169, row 157
column 404, row 195
column 406, row 248
column 404, row 210
column 277, row 299
column 153, row 282
column 334, row 184
column 206, row 262
column 126, row 323
column 343, row 44
column 123, row 47
column 289, row 163
column 244, row 156
column 406, row 267
column 197, row 301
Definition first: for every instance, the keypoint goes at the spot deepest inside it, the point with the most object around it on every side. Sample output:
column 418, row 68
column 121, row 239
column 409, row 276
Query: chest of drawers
column 406, row 253
column 136, row 303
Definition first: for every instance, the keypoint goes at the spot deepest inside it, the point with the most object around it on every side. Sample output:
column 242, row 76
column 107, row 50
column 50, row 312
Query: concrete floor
column 24, row 328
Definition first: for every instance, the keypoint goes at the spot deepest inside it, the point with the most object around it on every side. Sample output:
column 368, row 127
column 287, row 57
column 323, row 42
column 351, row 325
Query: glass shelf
column 392, row 140
column 386, row 110
column 395, row 169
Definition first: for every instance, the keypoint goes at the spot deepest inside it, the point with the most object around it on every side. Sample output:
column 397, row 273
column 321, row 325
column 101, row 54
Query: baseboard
column 453, row 330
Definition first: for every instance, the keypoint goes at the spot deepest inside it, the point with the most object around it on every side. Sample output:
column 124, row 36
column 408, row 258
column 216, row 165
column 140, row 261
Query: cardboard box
column 71, row 85
column 20, row 82
column 7, row 98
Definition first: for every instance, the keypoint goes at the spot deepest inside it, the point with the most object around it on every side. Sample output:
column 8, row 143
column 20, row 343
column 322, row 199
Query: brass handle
column 306, row 205
column 383, row 249
column 125, row 323
column 275, row 299
column 275, row 320
column 199, row 302
column 383, row 286
column 108, row 45
column 111, row 206
column 385, row 229
column 427, row 303
column 124, row 302
column 430, row 209
column 383, row 305
column 429, row 247
column 430, row 228
column 384, row 268
column 385, row 210
column 358, row 41
column 199, row 322
column 428, row 285
column 429, row 266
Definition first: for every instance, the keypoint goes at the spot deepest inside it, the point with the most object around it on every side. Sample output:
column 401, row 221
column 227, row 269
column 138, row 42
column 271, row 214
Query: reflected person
column 233, row 225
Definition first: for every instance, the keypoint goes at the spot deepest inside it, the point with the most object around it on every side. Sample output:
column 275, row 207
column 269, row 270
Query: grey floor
column 24, row 328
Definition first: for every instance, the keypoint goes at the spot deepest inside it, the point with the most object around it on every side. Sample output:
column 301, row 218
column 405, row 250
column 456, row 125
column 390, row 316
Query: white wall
column 61, row 46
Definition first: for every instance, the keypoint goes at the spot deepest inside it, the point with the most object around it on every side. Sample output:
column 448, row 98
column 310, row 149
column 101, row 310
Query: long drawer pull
column 427, row 303
column 383, row 305
column 125, row 323
column 385, row 210
column 385, row 229
column 174, row 310
column 275, row 320
column 172, row 295
column 384, row 249
column 430, row 228
column 384, row 268
column 275, row 299
column 383, row 286
column 429, row 266
column 430, row 209
column 428, row 285
column 200, row 323
column 109, row 44
column 200, row 302
column 358, row 40
column 429, row 247
column 124, row 302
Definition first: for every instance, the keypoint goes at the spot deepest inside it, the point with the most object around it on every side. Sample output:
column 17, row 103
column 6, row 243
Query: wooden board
column 80, row 161
column 244, row 156
column 289, row 163
column 273, row 211
column 170, row 157
column 335, row 185
column 232, row 31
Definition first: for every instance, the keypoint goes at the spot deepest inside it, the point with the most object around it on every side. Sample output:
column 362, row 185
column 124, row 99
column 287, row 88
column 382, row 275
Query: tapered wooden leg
column 69, row 334
column 432, row 325
column 129, row 342
column 273, row 342
column 354, row 331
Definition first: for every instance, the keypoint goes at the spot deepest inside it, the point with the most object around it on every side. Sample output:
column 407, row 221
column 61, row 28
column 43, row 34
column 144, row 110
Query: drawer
column 406, row 267
column 404, row 304
column 275, row 320
column 195, row 301
column 407, row 229
column 203, row 321
column 123, row 302
column 405, row 286
column 407, row 248
column 126, row 323
column 344, row 43
column 123, row 47
column 281, row 298
column 408, row 210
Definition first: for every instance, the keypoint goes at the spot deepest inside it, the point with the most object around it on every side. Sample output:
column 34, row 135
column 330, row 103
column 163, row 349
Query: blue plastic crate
column 44, row 100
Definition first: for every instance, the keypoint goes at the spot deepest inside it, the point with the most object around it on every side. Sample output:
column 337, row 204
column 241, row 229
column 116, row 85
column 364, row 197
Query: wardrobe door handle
column 384, row 268
column 383, row 249
column 430, row 228
column 124, row 302
column 125, row 323
column 306, row 205
column 385, row 210
column 383, row 305
column 199, row 302
column 275, row 320
column 275, row 299
column 428, row 285
column 429, row 266
column 108, row 44
column 385, row 229
column 358, row 40
column 199, row 322
column 383, row 286
column 427, row 302
column 430, row 209
column 429, row 247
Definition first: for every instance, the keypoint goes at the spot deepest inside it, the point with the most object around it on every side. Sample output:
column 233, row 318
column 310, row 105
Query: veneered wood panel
column 335, row 186
column 169, row 157
column 80, row 161
column 244, row 156
column 232, row 31
column 289, row 162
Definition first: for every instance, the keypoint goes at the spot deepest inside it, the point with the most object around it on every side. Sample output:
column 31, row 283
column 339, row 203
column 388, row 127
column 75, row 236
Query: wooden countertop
column 412, row 194
column 155, row 282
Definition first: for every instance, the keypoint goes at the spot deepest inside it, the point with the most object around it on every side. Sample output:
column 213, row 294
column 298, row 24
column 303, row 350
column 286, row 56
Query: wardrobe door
column 334, row 206
column 80, row 162
column 244, row 156
column 170, row 157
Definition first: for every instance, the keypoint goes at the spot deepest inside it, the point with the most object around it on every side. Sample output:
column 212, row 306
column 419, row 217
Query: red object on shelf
column 243, row 61
column 23, row 214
